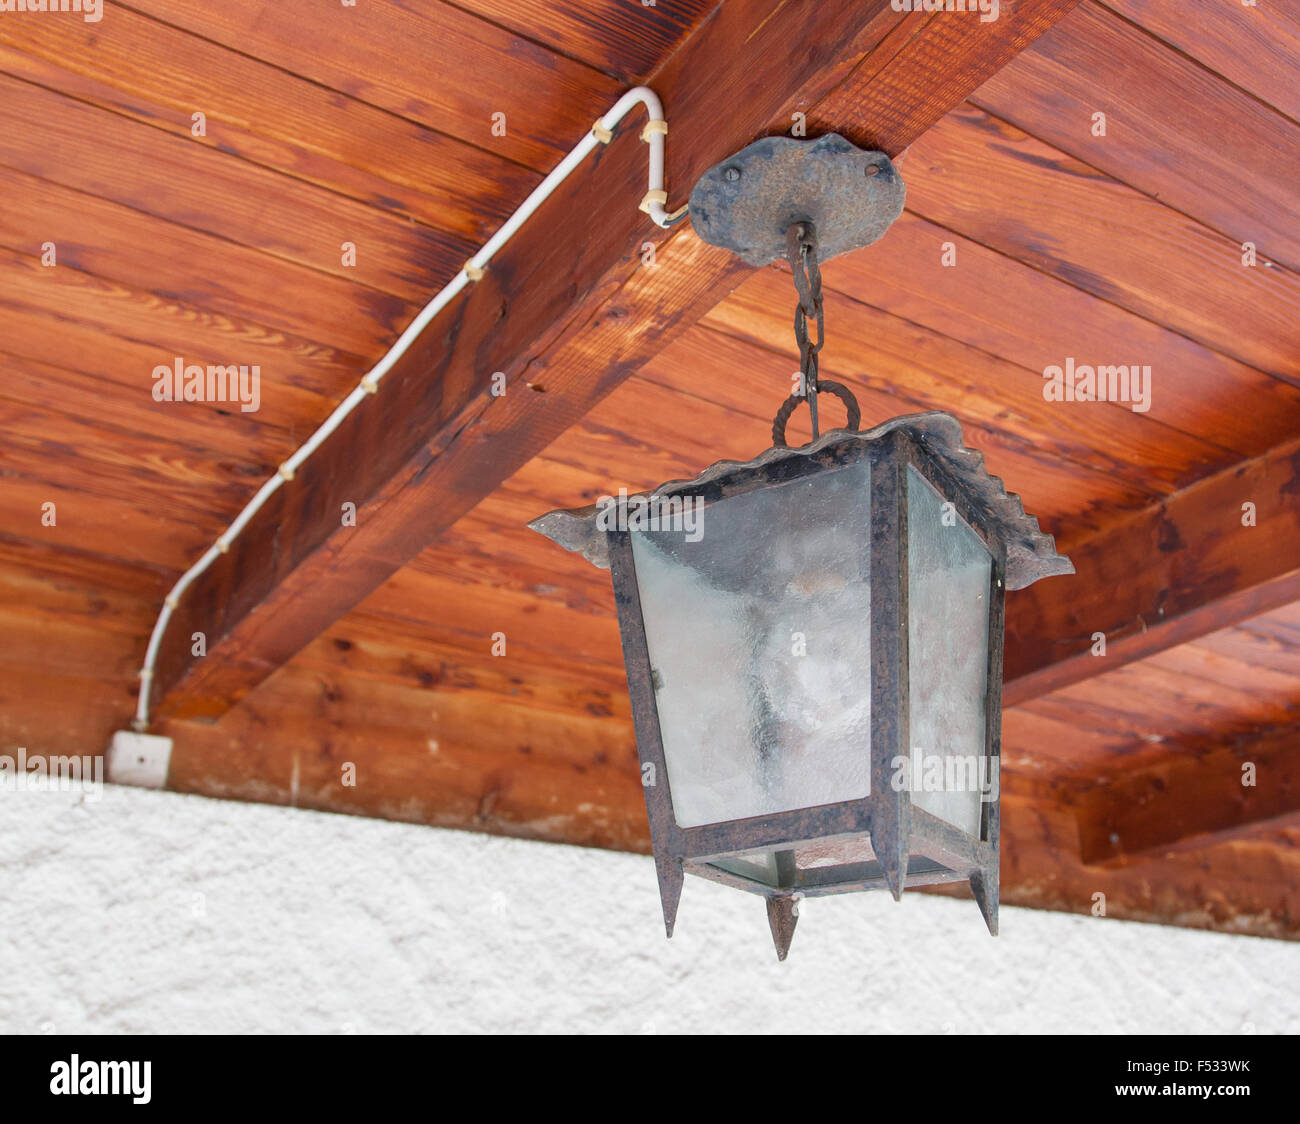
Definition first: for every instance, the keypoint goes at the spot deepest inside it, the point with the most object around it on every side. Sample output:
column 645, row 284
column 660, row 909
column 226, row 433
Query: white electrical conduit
column 653, row 203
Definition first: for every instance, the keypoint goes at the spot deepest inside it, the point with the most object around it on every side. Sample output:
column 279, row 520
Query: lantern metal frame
column 911, row 846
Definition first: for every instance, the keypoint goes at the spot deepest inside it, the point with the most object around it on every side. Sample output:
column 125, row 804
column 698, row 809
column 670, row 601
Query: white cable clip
column 473, row 272
column 223, row 547
column 601, row 133
column 370, row 384
column 146, row 673
column 171, row 601
column 284, row 472
column 654, row 125
column 656, row 196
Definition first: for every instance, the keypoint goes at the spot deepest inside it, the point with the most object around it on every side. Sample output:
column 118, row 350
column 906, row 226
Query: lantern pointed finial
column 984, row 885
column 782, row 917
column 895, row 875
column 670, row 890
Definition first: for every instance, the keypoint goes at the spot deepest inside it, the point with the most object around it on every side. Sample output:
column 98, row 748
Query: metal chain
column 801, row 252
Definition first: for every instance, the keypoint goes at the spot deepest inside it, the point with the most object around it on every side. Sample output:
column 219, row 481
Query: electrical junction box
column 138, row 759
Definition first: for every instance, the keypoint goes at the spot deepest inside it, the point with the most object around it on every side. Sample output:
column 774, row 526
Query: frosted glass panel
column 949, row 570
column 759, row 638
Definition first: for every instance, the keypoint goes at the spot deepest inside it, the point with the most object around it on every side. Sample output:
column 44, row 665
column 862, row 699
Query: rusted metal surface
column 782, row 917
column 1031, row 554
column 748, row 202
column 905, row 843
column 824, row 386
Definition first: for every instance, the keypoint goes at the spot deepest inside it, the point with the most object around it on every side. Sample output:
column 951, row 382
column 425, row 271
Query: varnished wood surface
column 565, row 313
column 226, row 248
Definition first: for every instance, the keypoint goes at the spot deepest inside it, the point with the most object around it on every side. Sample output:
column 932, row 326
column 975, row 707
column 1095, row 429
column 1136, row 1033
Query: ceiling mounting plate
column 746, row 203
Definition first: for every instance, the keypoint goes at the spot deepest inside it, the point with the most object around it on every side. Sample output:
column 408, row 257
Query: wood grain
column 1166, row 575
column 377, row 119
column 433, row 64
column 1174, row 130
column 144, row 69
column 1256, row 47
column 622, row 39
column 1200, row 794
column 986, row 298
column 998, row 186
column 612, row 315
column 191, row 184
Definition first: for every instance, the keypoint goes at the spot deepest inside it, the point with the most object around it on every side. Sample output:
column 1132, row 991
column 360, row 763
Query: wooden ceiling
column 373, row 125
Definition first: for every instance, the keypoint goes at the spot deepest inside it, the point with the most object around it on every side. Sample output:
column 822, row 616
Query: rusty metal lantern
column 813, row 638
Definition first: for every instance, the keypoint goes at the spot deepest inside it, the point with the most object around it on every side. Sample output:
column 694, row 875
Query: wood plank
column 57, row 647
column 993, row 183
column 1246, row 885
column 1194, row 798
column 1176, row 571
column 900, row 377
column 1264, row 694
column 985, row 299
column 499, row 554
column 30, row 382
column 159, row 75
column 89, row 710
column 563, row 346
column 1174, row 130
column 434, row 64
column 76, row 455
column 70, row 634
column 1264, row 641
column 1046, row 747
column 544, row 626
column 1125, row 714
column 296, row 375
column 1135, row 715
column 91, row 370
column 422, row 755
column 113, row 529
column 613, row 36
column 1255, row 46
column 367, row 646
column 199, row 270
column 53, row 583
column 209, row 191
column 937, row 372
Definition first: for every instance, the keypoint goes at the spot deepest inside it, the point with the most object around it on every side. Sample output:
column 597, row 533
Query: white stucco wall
column 156, row 912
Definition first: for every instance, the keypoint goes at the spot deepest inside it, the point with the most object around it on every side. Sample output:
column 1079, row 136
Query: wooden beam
column 1194, row 563
column 567, row 311
column 1249, row 885
column 1203, row 793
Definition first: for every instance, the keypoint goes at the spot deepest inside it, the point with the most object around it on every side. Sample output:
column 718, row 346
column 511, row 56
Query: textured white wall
column 156, row 912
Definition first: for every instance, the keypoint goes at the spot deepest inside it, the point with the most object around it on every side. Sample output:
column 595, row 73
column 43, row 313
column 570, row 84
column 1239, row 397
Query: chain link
column 801, row 252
